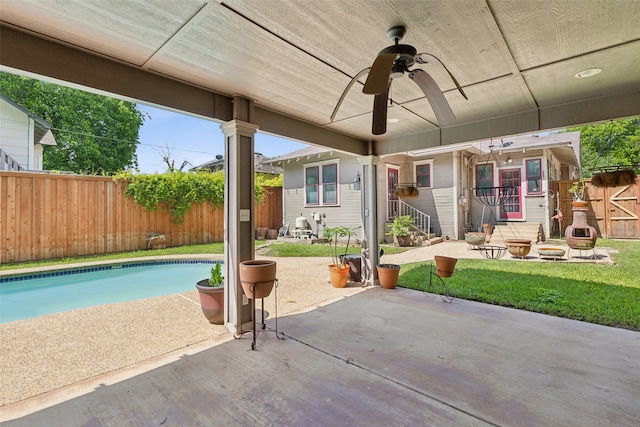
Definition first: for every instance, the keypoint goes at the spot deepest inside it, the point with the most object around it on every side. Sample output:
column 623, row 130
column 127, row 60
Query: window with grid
column 321, row 184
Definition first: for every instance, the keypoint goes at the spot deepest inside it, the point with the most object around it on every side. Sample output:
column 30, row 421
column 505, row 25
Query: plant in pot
column 339, row 270
column 577, row 189
column 400, row 229
column 211, row 293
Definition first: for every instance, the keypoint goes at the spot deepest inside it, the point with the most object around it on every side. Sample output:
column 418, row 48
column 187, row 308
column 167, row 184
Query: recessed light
column 588, row 73
column 393, row 120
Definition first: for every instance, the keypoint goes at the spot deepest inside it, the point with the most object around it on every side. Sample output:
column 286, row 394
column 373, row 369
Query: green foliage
column 401, row 225
column 95, row 134
column 603, row 294
column 609, row 144
column 216, row 280
column 177, row 191
column 316, row 250
column 335, row 234
column 269, row 181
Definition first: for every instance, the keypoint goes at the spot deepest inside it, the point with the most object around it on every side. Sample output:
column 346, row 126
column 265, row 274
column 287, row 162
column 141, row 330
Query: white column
column 369, row 212
column 238, row 214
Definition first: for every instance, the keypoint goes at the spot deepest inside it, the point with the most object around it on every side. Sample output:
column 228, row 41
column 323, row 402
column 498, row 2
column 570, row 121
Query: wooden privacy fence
column 45, row 216
column 613, row 211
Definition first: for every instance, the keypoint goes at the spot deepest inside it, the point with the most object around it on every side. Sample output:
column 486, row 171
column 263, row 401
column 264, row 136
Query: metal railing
column 7, row 163
column 421, row 221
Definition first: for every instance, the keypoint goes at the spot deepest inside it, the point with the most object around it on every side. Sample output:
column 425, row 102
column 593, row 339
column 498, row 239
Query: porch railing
column 421, row 221
column 7, row 163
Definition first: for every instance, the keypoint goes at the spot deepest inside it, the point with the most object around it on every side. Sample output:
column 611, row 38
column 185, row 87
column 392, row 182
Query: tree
column 95, row 134
column 609, row 144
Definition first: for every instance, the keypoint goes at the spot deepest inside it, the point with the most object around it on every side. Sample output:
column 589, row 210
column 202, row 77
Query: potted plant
column 577, row 189
column 400, row 229
column 339, row 270
column 211, row 293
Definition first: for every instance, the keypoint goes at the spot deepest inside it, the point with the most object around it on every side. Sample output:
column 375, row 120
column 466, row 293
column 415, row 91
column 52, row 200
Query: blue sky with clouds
column 192, row 139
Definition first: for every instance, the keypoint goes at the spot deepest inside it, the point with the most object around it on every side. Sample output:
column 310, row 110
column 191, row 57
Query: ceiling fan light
column 588, row 73
column 393, row 120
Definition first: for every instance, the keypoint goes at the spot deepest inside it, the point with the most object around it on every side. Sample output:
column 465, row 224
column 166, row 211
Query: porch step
column 518, row 230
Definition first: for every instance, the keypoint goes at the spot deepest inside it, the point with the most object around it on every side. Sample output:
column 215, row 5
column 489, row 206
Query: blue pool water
column 53, row 292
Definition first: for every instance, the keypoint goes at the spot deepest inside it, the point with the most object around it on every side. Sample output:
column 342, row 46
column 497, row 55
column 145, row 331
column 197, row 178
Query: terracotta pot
column 257, row 277
column 388, row 275
column 404, row 241
column 211, row 301
column 261, row 233
column 272, row 234
column 518, row 247
column 339, row 275
column 580, row 204
column 445, row 265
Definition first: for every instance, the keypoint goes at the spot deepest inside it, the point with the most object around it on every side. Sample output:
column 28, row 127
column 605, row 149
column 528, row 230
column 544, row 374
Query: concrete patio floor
column 379, row 357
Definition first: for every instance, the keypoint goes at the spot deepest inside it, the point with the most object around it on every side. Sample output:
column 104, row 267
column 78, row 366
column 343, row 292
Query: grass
column 602, row 294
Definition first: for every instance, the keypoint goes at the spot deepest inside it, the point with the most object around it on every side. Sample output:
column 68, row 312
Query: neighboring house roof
column 261, row 164
column 42, row 128
column 306, row 152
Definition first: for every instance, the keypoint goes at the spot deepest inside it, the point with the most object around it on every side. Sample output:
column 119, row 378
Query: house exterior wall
column 348, row 210
column 14, row 133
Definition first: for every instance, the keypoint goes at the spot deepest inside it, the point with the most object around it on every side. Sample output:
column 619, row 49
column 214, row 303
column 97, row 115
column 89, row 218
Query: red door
column 392, row 199
column 512, row 207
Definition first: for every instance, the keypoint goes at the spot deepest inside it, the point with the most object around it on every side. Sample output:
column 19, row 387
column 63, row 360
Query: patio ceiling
column 516, row 60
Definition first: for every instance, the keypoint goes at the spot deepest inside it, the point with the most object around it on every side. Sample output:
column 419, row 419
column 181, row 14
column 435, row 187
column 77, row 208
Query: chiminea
column 580, row 235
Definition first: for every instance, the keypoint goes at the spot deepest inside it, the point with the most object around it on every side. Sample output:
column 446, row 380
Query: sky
column 192, row 139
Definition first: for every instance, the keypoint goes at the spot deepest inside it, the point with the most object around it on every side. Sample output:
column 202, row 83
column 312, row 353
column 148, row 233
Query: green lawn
column 603, row 294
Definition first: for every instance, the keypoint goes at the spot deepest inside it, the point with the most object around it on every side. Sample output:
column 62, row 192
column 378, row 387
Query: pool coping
column 66, row 271
column 19, row 272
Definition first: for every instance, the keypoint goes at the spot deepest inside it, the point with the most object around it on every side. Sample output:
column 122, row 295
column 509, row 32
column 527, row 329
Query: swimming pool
column 24, row 297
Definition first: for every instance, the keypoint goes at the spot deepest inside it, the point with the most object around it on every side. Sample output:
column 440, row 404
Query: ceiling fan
column 391, row 63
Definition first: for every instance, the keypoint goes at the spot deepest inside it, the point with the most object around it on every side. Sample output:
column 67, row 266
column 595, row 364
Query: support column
column 369, row 212
column 238, row 214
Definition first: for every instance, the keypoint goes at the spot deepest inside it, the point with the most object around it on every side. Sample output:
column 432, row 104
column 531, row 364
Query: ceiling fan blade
column 455, row 81
column 344, row 94
column 379, row 124
column 378, row 79
column 438, row 102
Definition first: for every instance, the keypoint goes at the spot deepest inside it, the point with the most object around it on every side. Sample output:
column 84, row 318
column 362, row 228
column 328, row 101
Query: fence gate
column 622, row 207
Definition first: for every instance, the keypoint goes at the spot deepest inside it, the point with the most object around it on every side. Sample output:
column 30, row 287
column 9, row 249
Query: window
column 312, row 182
column 321, row 184
column 534, row 176
column 484, row 179
column 423, row 174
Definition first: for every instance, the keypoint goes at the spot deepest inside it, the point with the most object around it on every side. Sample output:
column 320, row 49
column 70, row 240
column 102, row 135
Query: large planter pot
column 257, row 277
column 261, row 233
column 518, row 247
column 211, row 301
column 388, row 275
column 339, row 275
column 445, row 265
column 272, row 234
column 404, row 241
